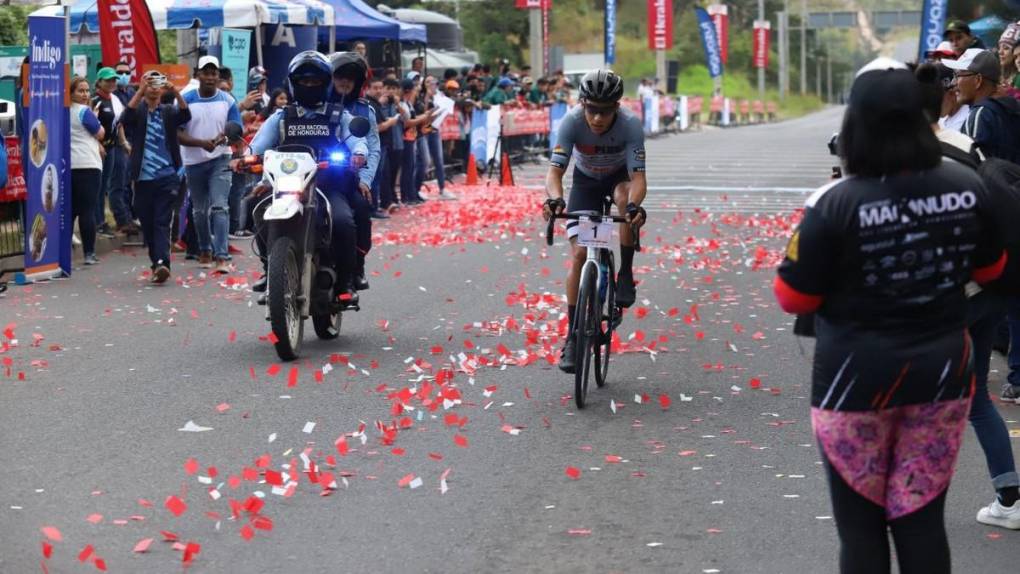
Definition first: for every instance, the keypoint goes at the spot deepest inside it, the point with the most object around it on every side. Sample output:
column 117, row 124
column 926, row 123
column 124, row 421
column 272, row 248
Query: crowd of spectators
column 159, row 156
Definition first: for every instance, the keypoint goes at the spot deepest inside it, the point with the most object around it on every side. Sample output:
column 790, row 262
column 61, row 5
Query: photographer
column 154, row 163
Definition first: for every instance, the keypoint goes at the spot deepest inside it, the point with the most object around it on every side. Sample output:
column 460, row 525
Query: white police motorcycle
column 298, row 287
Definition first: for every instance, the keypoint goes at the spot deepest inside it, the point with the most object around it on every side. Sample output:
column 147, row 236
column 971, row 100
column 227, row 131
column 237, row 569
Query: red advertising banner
column 16, row 189
column 762, row 30
column 634, row 106
column 526, row 122
column 450, row 128
column 720, row 14
column 660, row 24
column 527, row 4
column 127, row 34
column 694, row 104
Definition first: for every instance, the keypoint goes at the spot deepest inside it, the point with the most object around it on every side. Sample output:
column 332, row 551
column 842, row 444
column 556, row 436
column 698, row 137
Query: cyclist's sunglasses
column 597, row 110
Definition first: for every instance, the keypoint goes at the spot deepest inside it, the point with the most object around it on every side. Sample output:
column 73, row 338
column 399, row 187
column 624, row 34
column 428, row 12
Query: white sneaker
column 446, row 195
column 995, row 514
column 422, row 196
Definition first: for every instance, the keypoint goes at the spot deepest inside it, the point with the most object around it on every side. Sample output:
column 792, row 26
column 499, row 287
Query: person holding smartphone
column 154, row 163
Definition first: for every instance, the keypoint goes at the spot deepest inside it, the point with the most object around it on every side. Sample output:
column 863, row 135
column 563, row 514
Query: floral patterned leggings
column 890, row 469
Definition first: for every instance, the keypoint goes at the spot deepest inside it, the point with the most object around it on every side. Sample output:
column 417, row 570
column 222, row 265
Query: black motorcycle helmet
column 601, row 87
column 309, row 65
column 352, row 66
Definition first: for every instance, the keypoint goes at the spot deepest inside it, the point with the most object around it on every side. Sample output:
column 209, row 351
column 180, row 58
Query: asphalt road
column 697, row 457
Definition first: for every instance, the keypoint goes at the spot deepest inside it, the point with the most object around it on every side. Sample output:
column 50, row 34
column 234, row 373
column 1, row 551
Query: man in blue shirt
column 154, row 162
column 309, row 75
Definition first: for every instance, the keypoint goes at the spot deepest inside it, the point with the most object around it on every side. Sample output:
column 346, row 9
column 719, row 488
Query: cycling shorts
column 588, row 193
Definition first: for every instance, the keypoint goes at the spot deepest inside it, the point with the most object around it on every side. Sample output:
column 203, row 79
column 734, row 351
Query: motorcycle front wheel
column 284, row 288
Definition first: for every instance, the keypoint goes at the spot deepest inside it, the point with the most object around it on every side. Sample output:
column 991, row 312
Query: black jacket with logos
column 135, row 123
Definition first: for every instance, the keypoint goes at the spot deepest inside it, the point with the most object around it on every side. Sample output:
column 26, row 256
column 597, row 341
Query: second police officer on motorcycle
column 350, row 72
column 311, row 120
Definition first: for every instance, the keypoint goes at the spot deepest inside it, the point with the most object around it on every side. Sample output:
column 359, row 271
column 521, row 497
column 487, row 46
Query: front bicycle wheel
column 607, row 310
column 586, row 336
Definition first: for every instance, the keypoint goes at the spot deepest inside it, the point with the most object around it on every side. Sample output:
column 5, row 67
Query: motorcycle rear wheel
column 284, row 288
column 327, row 326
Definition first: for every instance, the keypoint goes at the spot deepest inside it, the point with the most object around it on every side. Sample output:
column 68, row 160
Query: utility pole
column 818, row 73
column 784, row 54
column 828, row 78
column 761, row 71
column 535, row 42
column 803, row 47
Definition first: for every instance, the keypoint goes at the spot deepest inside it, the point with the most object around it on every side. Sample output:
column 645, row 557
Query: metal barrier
column 12, row 239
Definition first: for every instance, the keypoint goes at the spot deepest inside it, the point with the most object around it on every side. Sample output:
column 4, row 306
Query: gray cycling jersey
column 600, row 156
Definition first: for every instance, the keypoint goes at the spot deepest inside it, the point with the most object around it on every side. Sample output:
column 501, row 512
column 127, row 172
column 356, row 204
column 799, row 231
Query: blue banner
column 479, row 135
column 236, row 49
column 610, row 28
column 281, row 43
column 710, row 42
column 933, row 25
column 556, row 114
column 48, row 174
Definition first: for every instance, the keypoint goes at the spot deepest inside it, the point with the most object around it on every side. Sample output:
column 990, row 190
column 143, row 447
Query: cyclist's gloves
column 556, row 205
column 633, row 210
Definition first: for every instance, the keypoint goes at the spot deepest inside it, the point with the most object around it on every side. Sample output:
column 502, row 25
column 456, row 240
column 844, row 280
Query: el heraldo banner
column 127, row 34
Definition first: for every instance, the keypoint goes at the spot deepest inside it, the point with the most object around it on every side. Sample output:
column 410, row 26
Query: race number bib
column 592, row 234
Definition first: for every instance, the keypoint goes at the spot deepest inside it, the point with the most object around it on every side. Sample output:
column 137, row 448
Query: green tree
column 14, row 25
column 495, row 29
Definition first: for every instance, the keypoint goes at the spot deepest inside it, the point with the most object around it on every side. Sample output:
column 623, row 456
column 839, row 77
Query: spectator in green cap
column 108, row 107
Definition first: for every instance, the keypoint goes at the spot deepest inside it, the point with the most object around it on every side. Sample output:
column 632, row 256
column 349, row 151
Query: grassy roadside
column 695, row 81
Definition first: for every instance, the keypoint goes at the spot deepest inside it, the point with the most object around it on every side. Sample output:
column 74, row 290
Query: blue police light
column 337, row 157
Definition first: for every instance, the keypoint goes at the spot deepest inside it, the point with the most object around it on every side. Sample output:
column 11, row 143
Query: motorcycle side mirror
column 233, row 131
column 360, row 127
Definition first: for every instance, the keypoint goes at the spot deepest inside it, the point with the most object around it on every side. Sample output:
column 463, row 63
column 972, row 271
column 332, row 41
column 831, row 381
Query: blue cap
column 504, row 82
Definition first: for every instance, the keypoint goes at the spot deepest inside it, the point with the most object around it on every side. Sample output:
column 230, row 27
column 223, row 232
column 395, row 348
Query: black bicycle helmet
column 601, row 86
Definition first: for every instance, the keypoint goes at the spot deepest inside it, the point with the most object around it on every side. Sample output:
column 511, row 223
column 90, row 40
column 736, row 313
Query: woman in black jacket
column 883, row 256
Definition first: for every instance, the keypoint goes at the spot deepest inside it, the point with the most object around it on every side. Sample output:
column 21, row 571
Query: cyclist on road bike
column 607, row 143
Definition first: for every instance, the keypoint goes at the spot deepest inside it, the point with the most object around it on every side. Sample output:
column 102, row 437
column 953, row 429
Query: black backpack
column 1002, row 179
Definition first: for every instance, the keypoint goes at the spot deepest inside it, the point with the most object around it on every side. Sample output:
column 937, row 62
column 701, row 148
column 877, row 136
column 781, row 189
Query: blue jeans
column 209, row 184
column 421, row 161
column 435, row 143
column 115, row 187
column 408, row 192
column 985, row 312
column 377, row 182
column 1013, row 359
column 238, row 187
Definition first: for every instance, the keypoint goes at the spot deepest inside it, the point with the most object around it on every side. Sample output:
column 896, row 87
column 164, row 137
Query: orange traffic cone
column 506, row 175
column 472, row 170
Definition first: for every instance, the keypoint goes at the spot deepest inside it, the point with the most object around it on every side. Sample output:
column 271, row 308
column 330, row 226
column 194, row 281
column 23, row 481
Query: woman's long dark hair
column 272, row 107
column 932, row 82
column 885, row 129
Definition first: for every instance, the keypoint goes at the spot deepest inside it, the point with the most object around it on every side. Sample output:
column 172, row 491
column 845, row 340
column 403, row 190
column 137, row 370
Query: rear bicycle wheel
column 607, row 310
column 586, row 335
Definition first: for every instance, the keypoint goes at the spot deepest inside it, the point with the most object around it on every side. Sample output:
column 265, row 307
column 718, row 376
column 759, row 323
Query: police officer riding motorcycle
column 312, row 121
column 350, row 71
